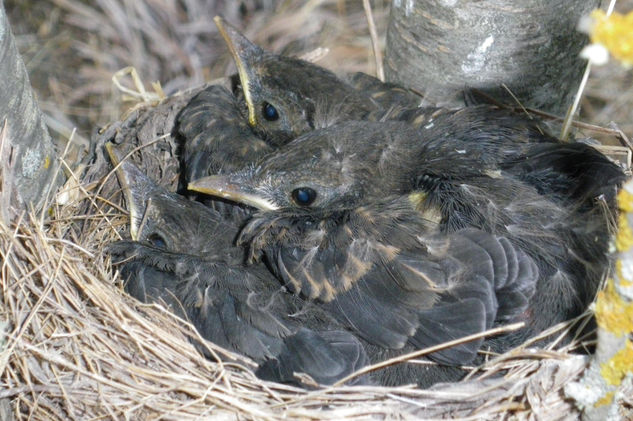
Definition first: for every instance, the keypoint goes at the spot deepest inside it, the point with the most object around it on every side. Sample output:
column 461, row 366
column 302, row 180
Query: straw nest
column 75, row 346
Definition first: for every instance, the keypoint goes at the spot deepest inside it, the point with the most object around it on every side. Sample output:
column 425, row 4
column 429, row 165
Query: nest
column 75, row 345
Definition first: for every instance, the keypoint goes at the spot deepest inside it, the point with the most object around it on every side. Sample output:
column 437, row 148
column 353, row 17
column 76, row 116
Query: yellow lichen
column 47, row 162
column 612, row 312
column 606, row 400
column 624, row 280
column 624, row 237
column 625, row 200
column 615, row 33
column 614, row 370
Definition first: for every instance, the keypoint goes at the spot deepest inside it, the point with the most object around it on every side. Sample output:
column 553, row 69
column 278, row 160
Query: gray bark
column 440, row 47
column 28, row 158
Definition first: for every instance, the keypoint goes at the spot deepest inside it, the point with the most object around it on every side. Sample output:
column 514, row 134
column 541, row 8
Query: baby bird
column 377, row 221
column 286, row 96
column 274, row 99
column 183, row 255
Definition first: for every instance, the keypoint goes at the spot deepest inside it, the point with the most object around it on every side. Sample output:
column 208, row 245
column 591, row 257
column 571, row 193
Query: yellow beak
column 135, row 187
column 242, row 51
column 222, row 186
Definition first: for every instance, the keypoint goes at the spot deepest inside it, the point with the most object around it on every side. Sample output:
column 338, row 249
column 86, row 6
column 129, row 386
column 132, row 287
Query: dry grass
column 73, row 47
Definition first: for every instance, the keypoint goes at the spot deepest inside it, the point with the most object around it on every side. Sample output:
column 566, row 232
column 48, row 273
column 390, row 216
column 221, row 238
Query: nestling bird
column 183, row 255
column 273, row 99
column 280, row 98
column 283, row 97
column 369, row 219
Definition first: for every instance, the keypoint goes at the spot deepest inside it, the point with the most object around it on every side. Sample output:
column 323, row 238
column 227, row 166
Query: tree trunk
column 440, row 47
column 28, row 160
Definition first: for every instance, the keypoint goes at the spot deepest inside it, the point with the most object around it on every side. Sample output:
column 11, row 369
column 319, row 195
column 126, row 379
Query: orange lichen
column 613, row 313
column 615, row 33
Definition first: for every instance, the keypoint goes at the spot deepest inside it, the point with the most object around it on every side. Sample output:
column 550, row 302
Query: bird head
column 335, row 168
column 166, row 220
column 287, row 96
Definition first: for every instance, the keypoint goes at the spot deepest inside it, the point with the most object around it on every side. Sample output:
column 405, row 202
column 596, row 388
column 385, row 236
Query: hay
column 73, row 47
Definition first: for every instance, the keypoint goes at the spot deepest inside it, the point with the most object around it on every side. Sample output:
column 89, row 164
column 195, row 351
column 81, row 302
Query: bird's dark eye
column 156, row 240
column 304, row 196
column 270, row 112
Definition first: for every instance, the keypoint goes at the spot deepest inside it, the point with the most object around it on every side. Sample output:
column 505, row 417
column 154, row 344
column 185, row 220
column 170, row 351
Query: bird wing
column 243, row 309
column 236, row 307
column 575, row 172
column 381, row 275
column 327, row 356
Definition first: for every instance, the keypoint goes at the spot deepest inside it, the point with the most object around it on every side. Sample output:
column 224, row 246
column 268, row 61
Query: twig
column 374, row 40
column 581, row 88
column 564, row 134
column 428, row 350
